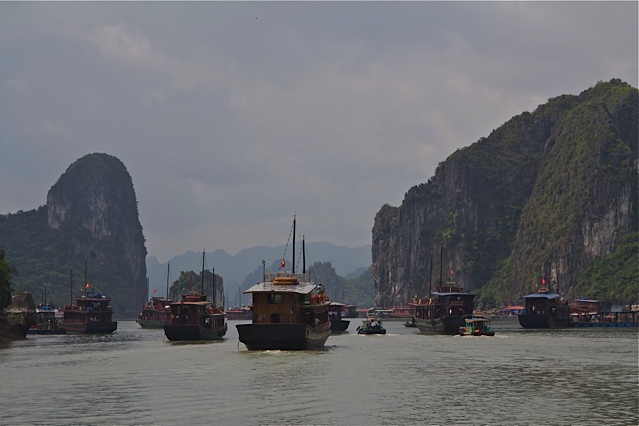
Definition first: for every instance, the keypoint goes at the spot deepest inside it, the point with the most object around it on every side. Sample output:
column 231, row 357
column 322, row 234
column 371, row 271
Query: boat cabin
column 285, row 300
column 89, row 307
column 193, row 309
column 546, row 304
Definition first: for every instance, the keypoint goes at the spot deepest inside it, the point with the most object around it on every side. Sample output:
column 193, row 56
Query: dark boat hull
column 192, row 332
column 542, row 321
column 90, row 327
column 338, row 326
column 282, row 336
column 448, row 324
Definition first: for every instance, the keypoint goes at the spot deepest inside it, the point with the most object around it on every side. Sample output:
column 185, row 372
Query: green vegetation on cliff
column 6, row 271
column 91, row 218
column 548, row 193
column 614, row 277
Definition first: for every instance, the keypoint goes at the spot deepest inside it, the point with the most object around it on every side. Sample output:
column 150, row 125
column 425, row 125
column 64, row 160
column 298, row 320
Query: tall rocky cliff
column 89, row 225
column 545, row 194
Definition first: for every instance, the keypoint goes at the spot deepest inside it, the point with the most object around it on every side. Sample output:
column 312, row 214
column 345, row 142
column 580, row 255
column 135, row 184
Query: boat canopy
column 268, row 287
column 542, row 296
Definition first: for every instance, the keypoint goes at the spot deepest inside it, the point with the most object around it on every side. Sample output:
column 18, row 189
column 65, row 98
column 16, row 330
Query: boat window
column 274, row 299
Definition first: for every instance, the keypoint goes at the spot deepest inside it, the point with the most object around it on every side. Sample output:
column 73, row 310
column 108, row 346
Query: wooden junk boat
column 91, row 313
column 240, row 314
column 47, row 321
column 544, row 310
column 47, row 318
column 156, row 313
column 444, row 311
column 287, row 312
column 196, row 318
column 335, row 312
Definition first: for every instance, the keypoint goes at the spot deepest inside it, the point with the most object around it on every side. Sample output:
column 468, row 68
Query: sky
column 231, row 117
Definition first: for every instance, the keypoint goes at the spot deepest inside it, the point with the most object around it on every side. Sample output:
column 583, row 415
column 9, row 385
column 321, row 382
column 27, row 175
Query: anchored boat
column 544, row 309
column 335, row 312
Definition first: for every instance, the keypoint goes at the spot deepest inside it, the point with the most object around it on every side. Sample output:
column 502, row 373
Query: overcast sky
column 231, row 117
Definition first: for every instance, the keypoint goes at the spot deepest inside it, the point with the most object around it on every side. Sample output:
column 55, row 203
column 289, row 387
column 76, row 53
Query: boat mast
column 168, row 269
column 430, row 277
column 86, row 281
column 303, row 256
column 71, row 286
column 213, row 285
column 441, row 265
column 293, row 255
column 202, row 280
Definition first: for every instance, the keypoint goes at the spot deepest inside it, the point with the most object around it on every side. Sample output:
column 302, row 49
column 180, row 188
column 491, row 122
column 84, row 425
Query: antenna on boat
column 430, row 277
column 293, row 261
column 86, row 281
column 441, row 265
column 71, row 286
column 303, row 255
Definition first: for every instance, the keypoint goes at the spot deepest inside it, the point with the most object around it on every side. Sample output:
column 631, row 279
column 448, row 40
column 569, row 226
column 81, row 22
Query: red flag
column 283, row 263
column 154, row 290
column 86, row 285
column 452, row 272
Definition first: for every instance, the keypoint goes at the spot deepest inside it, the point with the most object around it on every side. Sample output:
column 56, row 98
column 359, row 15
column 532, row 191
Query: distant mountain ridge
column 235, row 268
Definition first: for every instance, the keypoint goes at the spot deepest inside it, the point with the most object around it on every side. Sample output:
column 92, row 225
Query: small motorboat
column 371, row 326
column 476, row 326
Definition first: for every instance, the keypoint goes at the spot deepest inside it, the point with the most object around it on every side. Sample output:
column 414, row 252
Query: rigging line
column 286, row 247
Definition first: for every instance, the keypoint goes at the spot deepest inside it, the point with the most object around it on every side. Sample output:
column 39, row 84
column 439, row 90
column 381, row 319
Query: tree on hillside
column 6, row 271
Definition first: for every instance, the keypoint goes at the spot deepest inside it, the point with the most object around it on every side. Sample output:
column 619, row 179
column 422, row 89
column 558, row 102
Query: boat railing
column 100, row 308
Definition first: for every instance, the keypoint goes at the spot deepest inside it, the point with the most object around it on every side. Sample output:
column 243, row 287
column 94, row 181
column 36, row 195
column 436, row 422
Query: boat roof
column 452, row 293
column 542, row 296
column 337, row 304
column 189, row 302
column 269, row 287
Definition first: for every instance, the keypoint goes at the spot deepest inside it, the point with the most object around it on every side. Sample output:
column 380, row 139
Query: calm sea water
column 136, row 377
